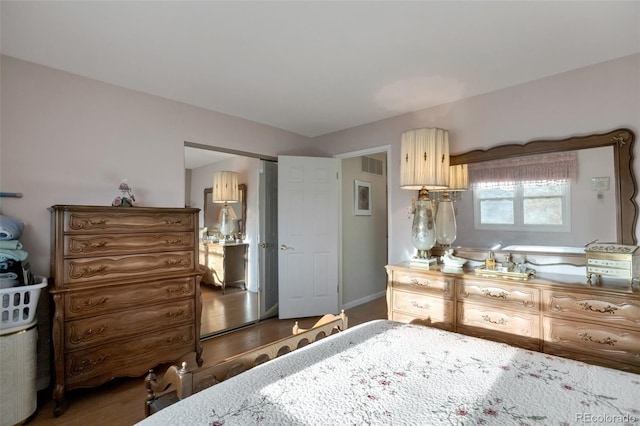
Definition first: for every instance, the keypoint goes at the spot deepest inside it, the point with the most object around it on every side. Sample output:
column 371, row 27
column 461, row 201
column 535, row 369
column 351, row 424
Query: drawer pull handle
column 607, row 341
column 177, row 289
column 86, row 246
column 91, row 222
column 178, row 339
column 425, row 283
column 176, row 242
column 88, row 305
column 80, row 223
column 500, row 295
column 173, row 221
column 488, row 319
column 87, row 272
column 89, row 364
column 87, row 335
column 586, row 306
column 420, row 306
column 175, row 314
column 177, row 262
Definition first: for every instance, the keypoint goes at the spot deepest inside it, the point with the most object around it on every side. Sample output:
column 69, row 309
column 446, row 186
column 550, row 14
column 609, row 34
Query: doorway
column 353, row 288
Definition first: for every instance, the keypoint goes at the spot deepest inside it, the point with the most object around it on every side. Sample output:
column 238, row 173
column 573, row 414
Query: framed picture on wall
column 362, row 198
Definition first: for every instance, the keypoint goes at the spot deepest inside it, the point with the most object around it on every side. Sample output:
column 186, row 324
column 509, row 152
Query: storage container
column 18, row 305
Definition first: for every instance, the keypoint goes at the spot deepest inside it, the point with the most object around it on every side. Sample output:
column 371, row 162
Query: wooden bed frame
column 179, row 382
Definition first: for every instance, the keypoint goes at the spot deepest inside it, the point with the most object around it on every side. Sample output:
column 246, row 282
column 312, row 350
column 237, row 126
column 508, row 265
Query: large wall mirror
column 212, row 211
column 616, row 146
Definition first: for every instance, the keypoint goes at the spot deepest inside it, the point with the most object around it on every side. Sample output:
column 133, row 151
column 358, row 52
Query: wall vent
column 371, row 165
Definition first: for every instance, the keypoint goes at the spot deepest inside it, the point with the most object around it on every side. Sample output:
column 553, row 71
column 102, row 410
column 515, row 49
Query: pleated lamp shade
column 225, row 187
column 424, row 159
column 459, row 177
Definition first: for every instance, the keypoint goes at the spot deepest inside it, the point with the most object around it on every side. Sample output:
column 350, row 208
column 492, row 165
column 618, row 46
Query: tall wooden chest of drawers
column 125, row 291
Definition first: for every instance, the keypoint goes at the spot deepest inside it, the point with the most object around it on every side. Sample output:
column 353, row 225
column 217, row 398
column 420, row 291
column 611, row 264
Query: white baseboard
column 363, row 300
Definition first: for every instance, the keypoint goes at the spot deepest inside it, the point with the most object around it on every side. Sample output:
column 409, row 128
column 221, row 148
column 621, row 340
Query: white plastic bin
column 18, row 305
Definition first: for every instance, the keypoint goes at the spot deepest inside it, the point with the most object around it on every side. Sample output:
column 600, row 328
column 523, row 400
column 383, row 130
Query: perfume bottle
column 508, row 265
column 490, row 262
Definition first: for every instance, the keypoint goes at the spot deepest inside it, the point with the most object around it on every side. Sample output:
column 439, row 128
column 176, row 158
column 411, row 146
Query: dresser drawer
column 426, row 283
column 84, row 270
column 118, row 325
column 130, row 357
column 601, row 341
column 521, row 329
column 410, row 319
column 90, row 302
column 127, row 220
column 432, row 309
column 590, row 359
column 215, row 261
column 114, row 244
column 614, row 310
column 511, row 296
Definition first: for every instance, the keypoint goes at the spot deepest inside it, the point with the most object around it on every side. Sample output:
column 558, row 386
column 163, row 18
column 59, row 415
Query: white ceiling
column 318, row 67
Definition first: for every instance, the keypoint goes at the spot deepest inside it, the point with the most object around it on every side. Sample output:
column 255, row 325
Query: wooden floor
column 121, row 401
column 232, row 309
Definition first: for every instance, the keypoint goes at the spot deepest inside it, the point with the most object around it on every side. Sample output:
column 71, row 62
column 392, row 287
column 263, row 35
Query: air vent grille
column 371, row 165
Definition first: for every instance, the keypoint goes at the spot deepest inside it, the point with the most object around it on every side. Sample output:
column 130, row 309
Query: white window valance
column 561, row 166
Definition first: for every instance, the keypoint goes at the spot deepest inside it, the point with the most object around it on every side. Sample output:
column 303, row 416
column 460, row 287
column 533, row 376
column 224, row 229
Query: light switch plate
column 600, row 183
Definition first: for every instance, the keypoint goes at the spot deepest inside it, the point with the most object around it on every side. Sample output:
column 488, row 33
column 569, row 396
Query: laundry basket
column 18, row 305
column 18, row 351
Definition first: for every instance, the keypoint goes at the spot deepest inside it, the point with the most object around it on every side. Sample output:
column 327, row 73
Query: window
column 524, row 206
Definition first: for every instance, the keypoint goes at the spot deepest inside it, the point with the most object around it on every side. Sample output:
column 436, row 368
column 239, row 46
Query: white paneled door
column 308, row 220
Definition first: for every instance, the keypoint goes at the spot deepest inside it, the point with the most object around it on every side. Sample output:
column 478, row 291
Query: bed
column 385, row 372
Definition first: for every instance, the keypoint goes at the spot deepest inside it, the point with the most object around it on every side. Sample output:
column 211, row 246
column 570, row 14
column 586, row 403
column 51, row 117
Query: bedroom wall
column 593, row 99
column 364, row 238
column 67, row 139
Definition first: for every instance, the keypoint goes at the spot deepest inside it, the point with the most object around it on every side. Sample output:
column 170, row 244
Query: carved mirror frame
column 621, row 140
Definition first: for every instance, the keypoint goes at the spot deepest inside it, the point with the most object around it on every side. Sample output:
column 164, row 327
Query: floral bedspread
column 384, row 372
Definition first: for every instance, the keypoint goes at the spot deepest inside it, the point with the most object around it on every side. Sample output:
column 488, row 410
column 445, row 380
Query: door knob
column 264, row 245
column 284, row 247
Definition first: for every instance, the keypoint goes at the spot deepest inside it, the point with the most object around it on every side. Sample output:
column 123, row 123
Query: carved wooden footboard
column 179, row 382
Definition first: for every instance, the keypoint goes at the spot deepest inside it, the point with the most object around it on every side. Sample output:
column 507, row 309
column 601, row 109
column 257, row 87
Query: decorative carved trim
column 587, row 306
column 79, row 305
column 500, row 295
column 87, row 365
column 606, row 341
column 488, row 319
column 86, row 335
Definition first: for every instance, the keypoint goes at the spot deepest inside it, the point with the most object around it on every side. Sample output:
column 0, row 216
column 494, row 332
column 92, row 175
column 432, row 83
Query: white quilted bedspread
column 389, row 373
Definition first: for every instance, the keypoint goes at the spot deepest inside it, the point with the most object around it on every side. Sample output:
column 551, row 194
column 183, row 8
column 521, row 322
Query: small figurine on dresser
column 451, row 261
column 126, row 198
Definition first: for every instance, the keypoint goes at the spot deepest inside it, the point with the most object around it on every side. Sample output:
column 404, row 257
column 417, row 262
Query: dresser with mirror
column 557, row 311
column 223, row 260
